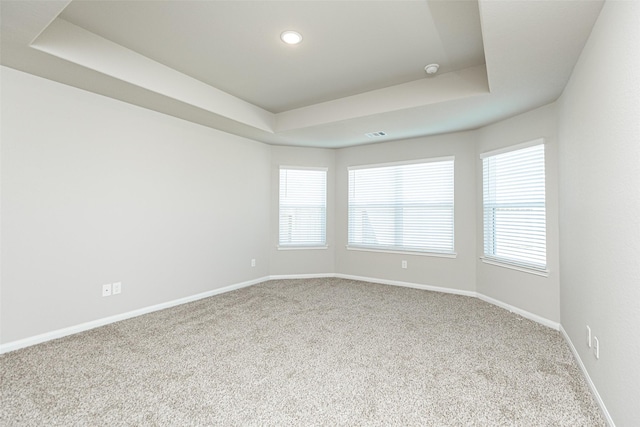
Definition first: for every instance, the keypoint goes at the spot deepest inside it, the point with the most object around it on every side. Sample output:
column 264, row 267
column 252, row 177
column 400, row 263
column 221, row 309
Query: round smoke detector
column 431, row 69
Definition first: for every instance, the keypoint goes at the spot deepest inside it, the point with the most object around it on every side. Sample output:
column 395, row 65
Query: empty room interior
column 320, row 212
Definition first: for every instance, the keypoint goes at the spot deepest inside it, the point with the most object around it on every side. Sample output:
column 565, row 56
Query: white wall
column 599, row 135
column 535, row 294
column 97, row 191
column 458, row 273
column 302, row 261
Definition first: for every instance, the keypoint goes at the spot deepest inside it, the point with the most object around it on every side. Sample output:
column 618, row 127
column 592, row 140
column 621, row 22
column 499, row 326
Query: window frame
column 303, row 246
column 399, row 249
column 492, row 259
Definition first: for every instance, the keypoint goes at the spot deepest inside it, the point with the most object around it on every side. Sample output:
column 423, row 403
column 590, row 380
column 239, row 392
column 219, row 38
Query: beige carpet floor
column 304, row 352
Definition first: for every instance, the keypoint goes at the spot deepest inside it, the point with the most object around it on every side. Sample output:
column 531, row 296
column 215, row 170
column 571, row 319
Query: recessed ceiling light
column 291, row 37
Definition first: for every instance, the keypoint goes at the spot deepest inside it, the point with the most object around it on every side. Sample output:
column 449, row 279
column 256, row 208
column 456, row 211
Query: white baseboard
column 407, row 285
column 300, row 276
column 592, row 386
column 48, row 336
column 526, row 314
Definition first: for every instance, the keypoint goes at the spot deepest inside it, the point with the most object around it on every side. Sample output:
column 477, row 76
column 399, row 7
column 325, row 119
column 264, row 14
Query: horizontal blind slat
column 514, row 206
column 402, row 207
column 302, row 207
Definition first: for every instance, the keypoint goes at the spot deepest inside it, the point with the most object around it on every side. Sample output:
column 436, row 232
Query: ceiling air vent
column 376, row 134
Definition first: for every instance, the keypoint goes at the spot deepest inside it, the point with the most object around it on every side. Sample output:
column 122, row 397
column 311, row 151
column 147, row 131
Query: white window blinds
column 402, row 207
column 514, row 207
column 303, row 207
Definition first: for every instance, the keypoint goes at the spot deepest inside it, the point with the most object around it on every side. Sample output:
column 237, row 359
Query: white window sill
column 537, row 272
column 301, row 248
column 389, row 251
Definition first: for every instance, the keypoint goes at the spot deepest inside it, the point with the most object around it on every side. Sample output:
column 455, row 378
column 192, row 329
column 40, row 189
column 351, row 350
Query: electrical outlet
column 596, row 347
column 117, row 288
column 253, row 263
column 106, row 290
column 588, row 336
column 404, row 263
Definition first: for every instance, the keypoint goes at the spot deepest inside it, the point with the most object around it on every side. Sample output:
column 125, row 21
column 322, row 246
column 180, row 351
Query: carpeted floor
column 304, row 352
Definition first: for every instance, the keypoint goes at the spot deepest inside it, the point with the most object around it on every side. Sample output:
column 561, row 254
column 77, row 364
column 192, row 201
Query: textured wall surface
column 98, row 191
column 599, row 135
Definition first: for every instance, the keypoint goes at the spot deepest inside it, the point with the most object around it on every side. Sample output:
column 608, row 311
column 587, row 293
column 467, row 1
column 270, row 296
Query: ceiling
column 359, row 68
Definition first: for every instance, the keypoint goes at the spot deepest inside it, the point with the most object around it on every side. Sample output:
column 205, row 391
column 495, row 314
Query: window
column 303, row 207
column 402, row 207
column 514, row 206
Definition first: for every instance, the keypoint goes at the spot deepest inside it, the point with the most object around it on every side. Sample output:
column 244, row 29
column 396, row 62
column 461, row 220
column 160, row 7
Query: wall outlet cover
column 106, row 290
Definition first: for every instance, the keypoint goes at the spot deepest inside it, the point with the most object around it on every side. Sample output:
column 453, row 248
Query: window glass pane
column 302, row 207
column 514, row 207
column 405, row 207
